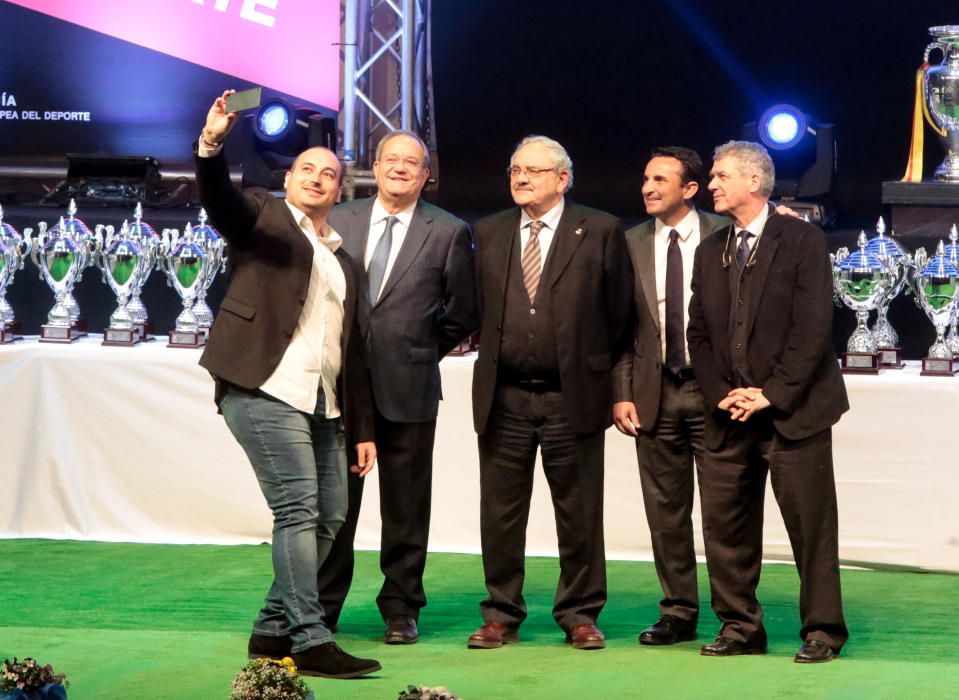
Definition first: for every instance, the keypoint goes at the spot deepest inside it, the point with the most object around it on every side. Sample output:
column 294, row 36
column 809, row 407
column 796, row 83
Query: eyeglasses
column 532, row 173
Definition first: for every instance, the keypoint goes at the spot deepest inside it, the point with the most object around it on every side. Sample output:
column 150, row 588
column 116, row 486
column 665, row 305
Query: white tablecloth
column 124, row 444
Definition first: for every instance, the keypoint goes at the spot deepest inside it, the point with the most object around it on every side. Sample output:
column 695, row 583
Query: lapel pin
column 578, row 232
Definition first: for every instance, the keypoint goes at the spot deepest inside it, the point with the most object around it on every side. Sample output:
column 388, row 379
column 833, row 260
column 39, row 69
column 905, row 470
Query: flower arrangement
column 28, row 680
column 413, row 692
column 268, row 679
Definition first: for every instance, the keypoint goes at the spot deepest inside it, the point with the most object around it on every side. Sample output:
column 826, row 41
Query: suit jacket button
column 499, row 327
column 532, row 312
column 289, row 334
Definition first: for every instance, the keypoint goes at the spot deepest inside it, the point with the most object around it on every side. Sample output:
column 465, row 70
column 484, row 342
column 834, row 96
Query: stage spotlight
column 803, row 150
column 276, row 134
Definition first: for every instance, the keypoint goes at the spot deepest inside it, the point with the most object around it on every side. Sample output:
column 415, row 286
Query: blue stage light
column 274, row 119
column 782, row 127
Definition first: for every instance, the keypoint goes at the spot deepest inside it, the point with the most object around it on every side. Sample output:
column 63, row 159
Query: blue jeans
column 300, row 462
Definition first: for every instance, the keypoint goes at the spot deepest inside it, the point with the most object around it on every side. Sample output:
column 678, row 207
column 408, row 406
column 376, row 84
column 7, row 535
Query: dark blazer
column 790, row 350
column 269, row 274
column 590, row 286
column 637, row 377
column 427, row 306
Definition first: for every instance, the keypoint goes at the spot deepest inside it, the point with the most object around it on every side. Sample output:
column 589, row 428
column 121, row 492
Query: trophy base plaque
column 860, row 363
column 187, row 339
column 890, row 358
column 7, row 335
column 938, row 367
column 121, row 337
column 60, row 334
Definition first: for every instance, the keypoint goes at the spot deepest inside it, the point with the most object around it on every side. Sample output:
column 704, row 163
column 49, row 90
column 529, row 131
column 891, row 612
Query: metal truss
column 387, row 82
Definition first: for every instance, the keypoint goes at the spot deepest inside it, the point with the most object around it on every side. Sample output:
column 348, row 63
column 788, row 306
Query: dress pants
column 666, row 456
column 300, row 463
column 405, row 472
column 732, row 492
column 521, row 421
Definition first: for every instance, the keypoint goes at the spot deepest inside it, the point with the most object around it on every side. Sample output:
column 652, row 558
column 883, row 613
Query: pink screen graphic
column 288, row 45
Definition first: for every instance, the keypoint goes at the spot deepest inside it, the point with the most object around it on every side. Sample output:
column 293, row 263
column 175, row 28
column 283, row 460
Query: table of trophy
column 113, row 437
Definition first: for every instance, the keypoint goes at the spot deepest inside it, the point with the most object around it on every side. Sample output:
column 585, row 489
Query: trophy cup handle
column 929, row 49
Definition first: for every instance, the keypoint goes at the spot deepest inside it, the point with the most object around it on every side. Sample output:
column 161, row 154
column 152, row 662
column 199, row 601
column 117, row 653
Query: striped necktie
column 532, row 260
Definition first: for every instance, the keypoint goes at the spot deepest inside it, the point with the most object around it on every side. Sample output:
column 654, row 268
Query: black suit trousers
column 666, row 456
column 405, row 472
column 520, row 422
column 733, row 489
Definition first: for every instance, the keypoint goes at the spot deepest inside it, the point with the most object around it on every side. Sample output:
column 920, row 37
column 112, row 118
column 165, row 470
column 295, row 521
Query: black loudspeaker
column 112, row 180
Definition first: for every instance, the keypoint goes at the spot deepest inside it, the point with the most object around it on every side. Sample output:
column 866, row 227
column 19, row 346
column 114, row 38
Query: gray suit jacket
column 637, row 377
column 426, row 307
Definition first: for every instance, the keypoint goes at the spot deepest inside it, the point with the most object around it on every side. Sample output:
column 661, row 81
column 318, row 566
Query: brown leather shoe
column 401, row 630
column 492, row 635
column 586, row 636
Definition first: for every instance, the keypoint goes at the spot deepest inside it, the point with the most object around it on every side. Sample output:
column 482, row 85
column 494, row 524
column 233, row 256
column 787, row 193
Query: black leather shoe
column 669, row 629
column 814, row 651
column 401, row 630
column 329, row 661
column 727, row 646
column 263, row 647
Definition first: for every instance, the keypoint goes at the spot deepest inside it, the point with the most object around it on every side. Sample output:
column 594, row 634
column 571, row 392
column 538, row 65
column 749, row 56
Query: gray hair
column 400, row 132
column 561, row 159
column 751, row 158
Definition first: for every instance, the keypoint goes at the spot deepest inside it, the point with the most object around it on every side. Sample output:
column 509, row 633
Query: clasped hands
column 743, row 402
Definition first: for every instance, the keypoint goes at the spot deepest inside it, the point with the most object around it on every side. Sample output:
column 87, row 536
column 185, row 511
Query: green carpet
column 128, row 621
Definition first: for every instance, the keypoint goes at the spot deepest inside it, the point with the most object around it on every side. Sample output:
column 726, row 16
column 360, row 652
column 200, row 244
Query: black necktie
column 743, row 250
column 675, row 321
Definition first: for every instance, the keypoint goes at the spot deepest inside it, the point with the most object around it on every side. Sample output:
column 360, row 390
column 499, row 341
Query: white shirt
column 550, row 221
column 378, row 227
column 313, row 357
column 689, row 237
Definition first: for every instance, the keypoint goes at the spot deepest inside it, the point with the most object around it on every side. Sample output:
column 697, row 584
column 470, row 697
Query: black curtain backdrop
column 611, row 80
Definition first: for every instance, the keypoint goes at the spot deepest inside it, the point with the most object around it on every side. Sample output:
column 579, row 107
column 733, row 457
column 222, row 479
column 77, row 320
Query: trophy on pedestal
column 148, row 240
column 208, row 238
column 861, row 281
column 13, row 249
column 952, row 252
column 887, row 340
column 937, row 293
column 83, row 237
column 123, row 263
column 184, row 261
column 61, row 257
column 941, row 93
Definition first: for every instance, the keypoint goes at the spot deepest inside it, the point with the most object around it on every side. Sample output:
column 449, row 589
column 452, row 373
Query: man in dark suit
column 760, row 337
column 658, row 400
column 421, row 304
column 555, row 298
column 292, row 382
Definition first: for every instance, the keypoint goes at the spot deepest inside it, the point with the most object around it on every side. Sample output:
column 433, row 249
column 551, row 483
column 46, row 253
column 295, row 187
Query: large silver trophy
column 952, row 252
column 207, row 237
column 14, row 247
column 901, row 264
column 937, row 293
column 61, row 254
column 941, row 92
column 148, row 240
column 124, row 262
column 861, row 280
column 186, row 263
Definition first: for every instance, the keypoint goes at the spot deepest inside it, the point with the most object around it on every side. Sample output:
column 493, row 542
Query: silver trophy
column 951, row 251
column 861, row 281
column 148, row 240
column 937, row 293
column 901, row 264
column 941, row 93
column 83, row 237
column 61, row 256
column 207, row 237
column 184, row 261
column 123, row 263
column 14, row 247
